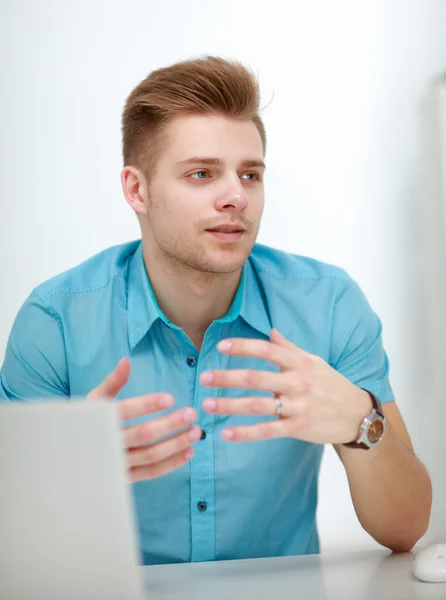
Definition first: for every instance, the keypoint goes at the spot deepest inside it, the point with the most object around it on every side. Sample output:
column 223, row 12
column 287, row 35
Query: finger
column 132, row 408
column 161, row 468
column 277, row 338
column 253, row 433
column 249, row 405
column 113, row 383
column 268, row 381
column 148, row 433
column 148, row 455
column 304, row 361
column 285, row 358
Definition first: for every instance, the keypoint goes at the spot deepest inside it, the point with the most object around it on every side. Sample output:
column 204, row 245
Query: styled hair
column 208, row 85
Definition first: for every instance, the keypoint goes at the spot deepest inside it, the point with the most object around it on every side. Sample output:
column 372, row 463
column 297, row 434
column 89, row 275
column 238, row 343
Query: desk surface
column 375, row 574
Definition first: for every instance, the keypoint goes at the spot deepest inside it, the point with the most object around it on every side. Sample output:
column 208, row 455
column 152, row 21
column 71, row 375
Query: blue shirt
column 259, row 498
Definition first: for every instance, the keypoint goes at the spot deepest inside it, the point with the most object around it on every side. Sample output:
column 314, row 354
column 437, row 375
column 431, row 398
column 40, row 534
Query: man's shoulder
column 282, row 265
column 91, row 275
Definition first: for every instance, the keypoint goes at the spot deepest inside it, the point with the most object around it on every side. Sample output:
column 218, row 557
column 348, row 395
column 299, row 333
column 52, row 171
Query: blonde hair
column 204, row 85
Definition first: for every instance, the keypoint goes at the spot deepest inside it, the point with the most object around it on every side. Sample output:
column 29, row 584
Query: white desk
column 370, row 575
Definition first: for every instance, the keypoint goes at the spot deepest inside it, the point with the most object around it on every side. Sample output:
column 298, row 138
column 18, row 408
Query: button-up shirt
column 232, row 500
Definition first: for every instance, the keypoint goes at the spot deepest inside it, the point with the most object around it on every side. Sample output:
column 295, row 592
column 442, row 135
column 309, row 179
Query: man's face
column 206, row 196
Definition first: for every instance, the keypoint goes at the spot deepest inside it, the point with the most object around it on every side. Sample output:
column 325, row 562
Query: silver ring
column 279, row 405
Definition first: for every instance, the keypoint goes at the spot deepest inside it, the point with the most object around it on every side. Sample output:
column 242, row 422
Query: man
column 236, row 363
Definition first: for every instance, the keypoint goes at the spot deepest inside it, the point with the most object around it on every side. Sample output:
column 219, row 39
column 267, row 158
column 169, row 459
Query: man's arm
column 36, row 367
column 324, row 403
column 35, row 364
column 390, row 488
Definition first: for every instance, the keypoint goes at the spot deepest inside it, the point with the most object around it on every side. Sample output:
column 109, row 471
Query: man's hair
column 208, row 85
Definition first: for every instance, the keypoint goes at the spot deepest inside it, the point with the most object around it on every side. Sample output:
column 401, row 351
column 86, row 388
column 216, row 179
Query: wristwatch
column 372, row 429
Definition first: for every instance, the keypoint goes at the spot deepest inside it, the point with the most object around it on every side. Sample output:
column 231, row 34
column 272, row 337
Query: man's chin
column 228, row 262
column 221, row 264
column 221, row 268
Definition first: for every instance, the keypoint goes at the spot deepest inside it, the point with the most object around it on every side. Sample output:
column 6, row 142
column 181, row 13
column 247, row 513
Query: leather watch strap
column 356, row 445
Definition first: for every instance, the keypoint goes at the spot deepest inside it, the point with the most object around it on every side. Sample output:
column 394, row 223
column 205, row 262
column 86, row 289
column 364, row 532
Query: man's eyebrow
column 208, row 160
column 253, row 163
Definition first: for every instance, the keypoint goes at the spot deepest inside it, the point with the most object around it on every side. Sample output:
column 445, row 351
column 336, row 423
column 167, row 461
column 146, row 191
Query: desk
column 368, row 575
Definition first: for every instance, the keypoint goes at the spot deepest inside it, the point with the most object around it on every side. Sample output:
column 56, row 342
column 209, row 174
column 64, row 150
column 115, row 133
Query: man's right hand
column 148, row 457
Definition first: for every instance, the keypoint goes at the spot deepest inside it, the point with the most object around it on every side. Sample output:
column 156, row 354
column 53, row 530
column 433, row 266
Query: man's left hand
column 318, row 404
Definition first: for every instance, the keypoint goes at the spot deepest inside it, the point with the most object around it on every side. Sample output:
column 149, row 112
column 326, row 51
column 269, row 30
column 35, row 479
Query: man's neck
column 189, row 298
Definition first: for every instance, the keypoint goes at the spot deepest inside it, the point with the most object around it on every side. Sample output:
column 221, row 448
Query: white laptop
column 67, row 530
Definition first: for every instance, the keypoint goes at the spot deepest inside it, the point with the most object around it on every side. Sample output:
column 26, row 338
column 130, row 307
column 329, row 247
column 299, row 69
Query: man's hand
column 319, row 405
column 148, row 457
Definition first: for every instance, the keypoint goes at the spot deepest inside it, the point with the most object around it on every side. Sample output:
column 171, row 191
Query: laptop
column 67, row 529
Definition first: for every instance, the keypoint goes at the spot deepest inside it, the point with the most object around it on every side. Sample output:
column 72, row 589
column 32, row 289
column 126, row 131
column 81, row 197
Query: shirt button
column 202, row 506
column 190, row 361
column 203, row 435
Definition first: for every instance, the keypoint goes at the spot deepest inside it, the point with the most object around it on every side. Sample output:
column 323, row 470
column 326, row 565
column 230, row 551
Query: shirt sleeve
column 357, row 348
column 35, row 364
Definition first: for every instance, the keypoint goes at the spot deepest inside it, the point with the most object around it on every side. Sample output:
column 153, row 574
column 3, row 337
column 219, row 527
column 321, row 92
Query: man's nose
column 233, row 195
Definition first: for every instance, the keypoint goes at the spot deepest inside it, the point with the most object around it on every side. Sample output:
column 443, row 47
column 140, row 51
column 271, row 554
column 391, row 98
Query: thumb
column 113, row 383
column 277, row 338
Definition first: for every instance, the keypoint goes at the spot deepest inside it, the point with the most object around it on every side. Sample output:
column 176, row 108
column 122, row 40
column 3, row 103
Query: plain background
column 342, row 84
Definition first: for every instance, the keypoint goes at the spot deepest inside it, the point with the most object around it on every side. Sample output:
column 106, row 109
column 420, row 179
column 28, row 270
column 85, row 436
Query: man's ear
column 134, row 186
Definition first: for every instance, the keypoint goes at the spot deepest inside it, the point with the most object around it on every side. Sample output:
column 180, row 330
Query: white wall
column 343, row 180
column 433, row 228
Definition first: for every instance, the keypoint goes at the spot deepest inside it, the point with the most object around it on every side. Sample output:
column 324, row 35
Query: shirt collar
column 143, row 309
column 249, row 302
column 254, row 309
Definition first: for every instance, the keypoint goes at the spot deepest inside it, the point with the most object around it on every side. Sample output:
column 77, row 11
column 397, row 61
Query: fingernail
column 165, row 401
column 227, row 434
column 209, row 404
column 206, row 377
column 189, row 415
column 224, row 345
column 189, row 453
column 195, row 434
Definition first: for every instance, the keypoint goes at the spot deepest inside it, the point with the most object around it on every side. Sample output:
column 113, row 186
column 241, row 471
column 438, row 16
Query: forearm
column 391, row 491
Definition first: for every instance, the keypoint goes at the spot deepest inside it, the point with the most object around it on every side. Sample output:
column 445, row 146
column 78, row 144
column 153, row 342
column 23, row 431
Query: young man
column 253, row 357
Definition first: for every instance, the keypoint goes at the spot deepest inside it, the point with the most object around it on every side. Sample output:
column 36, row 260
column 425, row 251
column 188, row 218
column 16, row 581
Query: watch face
column 375, row 431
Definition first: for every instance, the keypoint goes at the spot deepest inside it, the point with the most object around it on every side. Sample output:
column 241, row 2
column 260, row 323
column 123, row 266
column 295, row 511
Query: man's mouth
column 227, row 234
column 227, row 230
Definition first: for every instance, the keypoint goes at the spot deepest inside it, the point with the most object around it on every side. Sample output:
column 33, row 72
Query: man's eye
column 251, row 176
column 200, row 175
